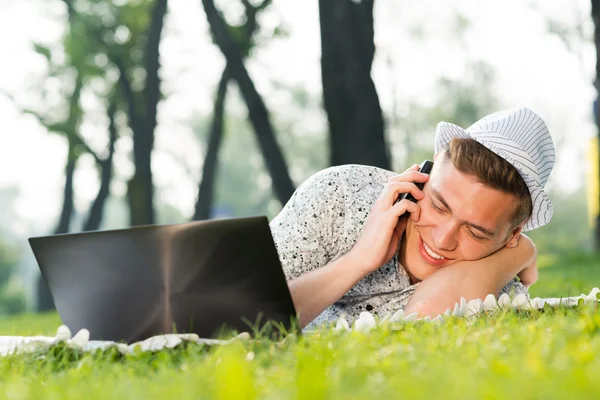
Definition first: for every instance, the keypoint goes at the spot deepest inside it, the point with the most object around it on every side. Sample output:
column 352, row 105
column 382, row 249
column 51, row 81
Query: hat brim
column 542, row 206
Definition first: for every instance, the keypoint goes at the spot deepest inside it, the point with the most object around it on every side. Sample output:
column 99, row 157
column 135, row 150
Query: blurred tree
column 142, row 118
column 70, row 128
column 73, row 71
column 125, row 38
column 205, row 197
column 575, row 36
column 94, row 218
column 569, row 230
column 461, row 102
column 596, row 19
column 12, row 297
column 243, row 184
column 85, row 68
column 243, row 36
column 257, row 111
column 351, row 101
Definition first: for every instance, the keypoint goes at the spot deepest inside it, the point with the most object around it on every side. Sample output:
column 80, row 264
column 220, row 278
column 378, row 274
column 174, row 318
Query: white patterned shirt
column 323, row 220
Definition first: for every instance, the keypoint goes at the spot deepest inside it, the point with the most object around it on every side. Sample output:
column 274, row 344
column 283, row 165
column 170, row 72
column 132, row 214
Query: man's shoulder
column 356, row 175
column 340, row 190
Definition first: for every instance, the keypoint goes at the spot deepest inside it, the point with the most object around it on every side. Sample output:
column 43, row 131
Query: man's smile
column 430, row 256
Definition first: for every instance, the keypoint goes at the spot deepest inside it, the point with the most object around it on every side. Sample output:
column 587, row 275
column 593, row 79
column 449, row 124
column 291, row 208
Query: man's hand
column 386, row 223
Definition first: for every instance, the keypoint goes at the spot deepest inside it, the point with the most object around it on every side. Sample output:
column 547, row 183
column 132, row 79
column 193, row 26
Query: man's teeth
column 431, row 253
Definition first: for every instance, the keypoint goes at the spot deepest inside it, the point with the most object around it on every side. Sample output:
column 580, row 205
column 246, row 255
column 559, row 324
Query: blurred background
column 128, row 112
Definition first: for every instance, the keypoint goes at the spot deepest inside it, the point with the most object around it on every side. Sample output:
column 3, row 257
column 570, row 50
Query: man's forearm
column 316, row 290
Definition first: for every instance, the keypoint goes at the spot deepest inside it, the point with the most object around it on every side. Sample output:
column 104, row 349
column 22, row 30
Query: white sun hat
column 521, row 137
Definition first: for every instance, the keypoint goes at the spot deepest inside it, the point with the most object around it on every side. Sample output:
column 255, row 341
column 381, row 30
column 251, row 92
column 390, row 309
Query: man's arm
column 529, row 275
column 319, row 288
column 316, row 290
column 473, row 279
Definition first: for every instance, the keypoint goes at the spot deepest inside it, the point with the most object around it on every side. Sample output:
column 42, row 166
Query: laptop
column 206, row 277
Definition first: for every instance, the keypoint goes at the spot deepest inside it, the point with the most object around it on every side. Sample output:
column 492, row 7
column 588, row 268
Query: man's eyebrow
column 480, row 228
column 472, row 225
column 440, row 198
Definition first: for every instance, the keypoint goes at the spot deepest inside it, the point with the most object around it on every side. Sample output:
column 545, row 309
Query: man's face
column 461, row 220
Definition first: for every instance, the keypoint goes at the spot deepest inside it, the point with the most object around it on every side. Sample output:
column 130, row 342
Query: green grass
column 552, row 354
column 30, row 324
column 570, row 275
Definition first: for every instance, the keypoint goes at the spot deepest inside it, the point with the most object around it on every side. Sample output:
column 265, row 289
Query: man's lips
column 438, row 262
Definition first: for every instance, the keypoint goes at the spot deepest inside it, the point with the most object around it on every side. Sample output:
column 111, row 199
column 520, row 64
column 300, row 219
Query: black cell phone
column 425, row 167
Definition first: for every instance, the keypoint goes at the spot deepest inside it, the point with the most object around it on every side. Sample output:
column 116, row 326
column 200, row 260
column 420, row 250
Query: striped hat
column 521, row 137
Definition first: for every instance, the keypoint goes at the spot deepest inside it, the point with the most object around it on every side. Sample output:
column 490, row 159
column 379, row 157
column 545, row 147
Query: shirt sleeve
column 307, row 229
column 515, row 288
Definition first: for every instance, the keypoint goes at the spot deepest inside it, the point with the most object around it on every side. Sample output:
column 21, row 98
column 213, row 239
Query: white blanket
column 26, row 344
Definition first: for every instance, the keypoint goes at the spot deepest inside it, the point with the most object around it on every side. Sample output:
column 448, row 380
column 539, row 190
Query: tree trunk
column 66, row 213
column 140, row 189
column 596, row 19
column 257, row 111
column 97, row 210
column 209, row 169
column 354, row 113
column 205, row 198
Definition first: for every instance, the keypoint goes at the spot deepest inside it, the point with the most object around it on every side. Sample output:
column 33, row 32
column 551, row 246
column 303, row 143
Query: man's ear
column 513, row 239
column 435, row 156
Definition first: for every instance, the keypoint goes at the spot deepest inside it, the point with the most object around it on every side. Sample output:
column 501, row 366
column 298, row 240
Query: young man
column 346, row 247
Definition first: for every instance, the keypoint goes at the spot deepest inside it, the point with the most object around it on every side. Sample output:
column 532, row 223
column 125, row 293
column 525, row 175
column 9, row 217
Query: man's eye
column 475, row 236
column 436, row 208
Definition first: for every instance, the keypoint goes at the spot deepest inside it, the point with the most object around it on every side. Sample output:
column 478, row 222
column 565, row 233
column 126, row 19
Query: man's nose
column 444, row 235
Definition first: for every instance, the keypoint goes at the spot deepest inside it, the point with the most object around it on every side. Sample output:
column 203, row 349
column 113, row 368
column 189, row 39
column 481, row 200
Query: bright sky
column 534, row 68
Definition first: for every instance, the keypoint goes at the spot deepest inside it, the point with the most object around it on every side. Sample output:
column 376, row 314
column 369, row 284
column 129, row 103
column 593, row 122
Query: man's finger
column 405, row 206
column 394, row 189
column 410, row 176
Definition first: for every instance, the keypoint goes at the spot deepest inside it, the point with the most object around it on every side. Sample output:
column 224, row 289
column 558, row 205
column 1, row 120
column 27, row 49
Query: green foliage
column 248, row 33
column 9, row 257
column 569, row 230
column 243, row 185
column 567, row 275
column 12, row 296
column 459, row 102
column 26, row 324
column 105, row 36
column 43, row 50
column 12, row 299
